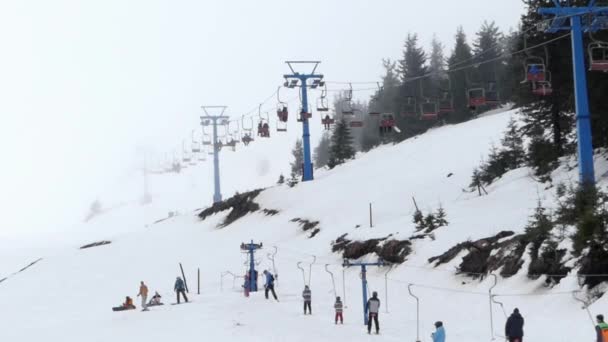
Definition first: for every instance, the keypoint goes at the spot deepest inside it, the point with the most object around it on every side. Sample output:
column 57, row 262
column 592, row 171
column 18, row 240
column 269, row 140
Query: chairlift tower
column 363, row 266
column 296, row 79
column 251, row 248
column 215, row 120
column 579, row 20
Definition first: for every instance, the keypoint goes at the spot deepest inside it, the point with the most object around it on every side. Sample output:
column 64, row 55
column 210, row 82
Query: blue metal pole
column 364, row 287
column 307, row 172
column 217, row 196
column 583, row 122
column 253, row 281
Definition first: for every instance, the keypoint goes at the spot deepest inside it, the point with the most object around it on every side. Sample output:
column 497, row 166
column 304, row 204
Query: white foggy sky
column 84, row 83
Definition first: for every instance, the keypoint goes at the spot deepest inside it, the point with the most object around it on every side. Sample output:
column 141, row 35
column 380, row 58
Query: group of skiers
column 179, row 288
column 514, row 327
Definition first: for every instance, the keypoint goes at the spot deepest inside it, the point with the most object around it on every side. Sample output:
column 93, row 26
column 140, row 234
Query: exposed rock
column 239, row 206
column 307, row 225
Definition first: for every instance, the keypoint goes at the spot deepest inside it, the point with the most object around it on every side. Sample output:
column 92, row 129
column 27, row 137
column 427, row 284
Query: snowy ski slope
column 68, row 295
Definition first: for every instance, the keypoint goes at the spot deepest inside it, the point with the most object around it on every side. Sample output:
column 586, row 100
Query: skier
column 269, row 286
column 260, row 129
column 373, row 307
column 180, row 288
column 601, row 329
column 439, row 334
column 514, row 329
column 339, row 308
column 307, row 296
column 246, row 284
column 143, row 292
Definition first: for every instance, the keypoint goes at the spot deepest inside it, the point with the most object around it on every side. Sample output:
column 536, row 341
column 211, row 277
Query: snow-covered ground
column 69, row 294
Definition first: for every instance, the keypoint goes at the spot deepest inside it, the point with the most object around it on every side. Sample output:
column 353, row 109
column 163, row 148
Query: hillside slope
column 68, row 295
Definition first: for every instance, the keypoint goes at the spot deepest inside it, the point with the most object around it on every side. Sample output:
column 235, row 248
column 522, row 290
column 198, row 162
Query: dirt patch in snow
column 96, row 244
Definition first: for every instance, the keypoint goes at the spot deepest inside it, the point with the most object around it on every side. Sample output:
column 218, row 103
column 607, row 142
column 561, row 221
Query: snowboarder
column 180, row 288
column 143, row 292
column 601, row 329
column 514, row 329
column 269, row 286
column 439, row 334
column 127, row 305
column 339, row 308
column 373, row 308
column 307, row 296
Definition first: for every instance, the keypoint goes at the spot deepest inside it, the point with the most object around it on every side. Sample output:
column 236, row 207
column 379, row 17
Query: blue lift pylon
column 363, row 266
column 252, row 282
column 568, row 18
column 214, row 120
column 296, row 79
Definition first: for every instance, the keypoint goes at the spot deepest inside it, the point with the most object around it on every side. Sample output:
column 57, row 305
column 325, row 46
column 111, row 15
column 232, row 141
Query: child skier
column 339, row 308
column 307, row 296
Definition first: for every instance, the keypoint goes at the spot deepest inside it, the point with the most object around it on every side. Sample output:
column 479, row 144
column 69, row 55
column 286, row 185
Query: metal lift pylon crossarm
column 364, row 289
column 251, row 248
column 297, row 79
column 215, row 120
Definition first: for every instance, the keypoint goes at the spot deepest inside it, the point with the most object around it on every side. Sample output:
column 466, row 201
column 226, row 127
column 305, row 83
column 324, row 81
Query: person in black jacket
column 514, row 329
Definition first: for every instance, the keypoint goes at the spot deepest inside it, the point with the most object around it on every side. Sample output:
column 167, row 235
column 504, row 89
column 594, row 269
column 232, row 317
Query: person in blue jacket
column 269, row 286
column 180, row 288
column 439, row 334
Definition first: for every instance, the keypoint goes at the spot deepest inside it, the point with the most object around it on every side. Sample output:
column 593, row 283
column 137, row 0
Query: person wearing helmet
column 373, row 308
column 307, row 297
column 439, row 334
column 339, row 306
column 180, row 288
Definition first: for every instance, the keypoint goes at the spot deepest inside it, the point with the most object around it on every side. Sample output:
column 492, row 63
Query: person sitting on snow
column 128, row 304
column 155, row 299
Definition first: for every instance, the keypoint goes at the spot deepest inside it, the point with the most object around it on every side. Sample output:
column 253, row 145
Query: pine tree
column 513, row 147
column 494, row 168
column 412, row 68
column 321, row 154
column 298, row 155
column 341, row 145
column 461, row 56
column 281, row 179
column 293, row 180
column 487, row 48
column 476, row 182
column 441, row 217
column 436, row 67
column 418, row 219
column 430, row 222
column 538, row 229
